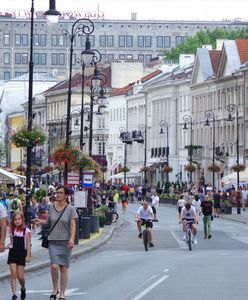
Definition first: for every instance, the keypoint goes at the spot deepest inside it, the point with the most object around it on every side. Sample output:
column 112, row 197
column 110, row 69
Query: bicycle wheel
column 145, row 239
column 115, row 217
column 189, row 240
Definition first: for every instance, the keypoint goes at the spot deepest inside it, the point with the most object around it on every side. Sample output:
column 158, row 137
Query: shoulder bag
column 45, row 241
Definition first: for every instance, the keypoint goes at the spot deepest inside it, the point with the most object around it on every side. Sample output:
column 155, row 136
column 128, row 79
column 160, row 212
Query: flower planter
column 28, row 138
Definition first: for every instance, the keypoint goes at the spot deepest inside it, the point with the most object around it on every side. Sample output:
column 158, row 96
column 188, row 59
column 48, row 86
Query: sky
column 145, row 9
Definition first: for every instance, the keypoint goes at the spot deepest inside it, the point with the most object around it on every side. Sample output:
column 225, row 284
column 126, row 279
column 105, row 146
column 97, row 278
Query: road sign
column 73, row 178
column 88, row 181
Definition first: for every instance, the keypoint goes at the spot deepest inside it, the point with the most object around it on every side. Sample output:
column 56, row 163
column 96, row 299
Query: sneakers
column 140, row 236
column 194, row 241
column 209, row 237
column 14, row 297
column 184, row 237
column 151, row 245
column 23, row 294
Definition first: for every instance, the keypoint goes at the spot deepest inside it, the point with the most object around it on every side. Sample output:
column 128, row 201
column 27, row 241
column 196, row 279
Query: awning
column 113, row 167
column 10, row 177
column 128, row 175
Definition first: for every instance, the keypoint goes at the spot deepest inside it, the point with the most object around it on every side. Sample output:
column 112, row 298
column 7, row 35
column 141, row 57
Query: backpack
column 14, row 205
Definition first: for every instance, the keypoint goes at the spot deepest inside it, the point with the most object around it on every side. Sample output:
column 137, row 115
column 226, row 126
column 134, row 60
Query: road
column 215, row 269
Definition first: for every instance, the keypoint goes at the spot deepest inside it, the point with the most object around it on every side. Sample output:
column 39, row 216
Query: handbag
column 45, row 241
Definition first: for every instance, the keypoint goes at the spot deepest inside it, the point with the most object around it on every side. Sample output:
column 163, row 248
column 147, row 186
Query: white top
column 188, row 214
column 146, row 214
column 155, row 200
column 3, row 211
column 196, row 204
column 180, row 202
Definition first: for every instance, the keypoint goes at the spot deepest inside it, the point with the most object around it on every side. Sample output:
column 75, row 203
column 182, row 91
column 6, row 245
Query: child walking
column 19, row 252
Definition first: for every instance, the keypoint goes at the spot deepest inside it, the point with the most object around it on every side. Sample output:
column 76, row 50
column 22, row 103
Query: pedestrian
column 196, row 202
column 3, row 227
column 19, row 252
column 123, row 198
column 155, row 204
column 217, row 198
column 61, row 239
column 15, row 204
column 207, row 210
column 180, row 204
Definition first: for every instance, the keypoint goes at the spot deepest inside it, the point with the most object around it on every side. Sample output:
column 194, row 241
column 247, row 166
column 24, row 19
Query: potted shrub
column 24, row 137
column 238, row 168
column 214, row 168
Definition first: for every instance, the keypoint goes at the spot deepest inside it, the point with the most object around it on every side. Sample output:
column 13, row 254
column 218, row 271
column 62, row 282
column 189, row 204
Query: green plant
column 189, row 168
column 69, row 154
column 24, row 137
column 238, row 168
column 39, row 194
column 214, row 168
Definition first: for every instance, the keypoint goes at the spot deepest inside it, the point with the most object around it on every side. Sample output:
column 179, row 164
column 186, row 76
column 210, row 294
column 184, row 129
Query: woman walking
column 19, row 252
column 61, row 239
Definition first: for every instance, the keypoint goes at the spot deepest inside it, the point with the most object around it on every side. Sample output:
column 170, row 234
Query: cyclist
column 188, row 213
column 145, row 216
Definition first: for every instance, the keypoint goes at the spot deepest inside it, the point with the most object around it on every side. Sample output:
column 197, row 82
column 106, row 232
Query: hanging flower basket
column 238, row 168
column 124, row 170
column 214, row 168
column 48, row 169
column 143, row 169
column 35, row 169
column 190, row 168
column 167, row 169
column 69, row 154
column 24, row 138
column 88, row 163
column 21, row 168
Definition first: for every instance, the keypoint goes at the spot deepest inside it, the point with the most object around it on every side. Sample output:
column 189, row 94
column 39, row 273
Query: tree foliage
column 3, row 150
column 208, row 37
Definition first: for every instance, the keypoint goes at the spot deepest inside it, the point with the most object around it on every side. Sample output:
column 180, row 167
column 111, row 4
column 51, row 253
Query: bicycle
column 189, row 234
column 115, row 215
column 145, row 236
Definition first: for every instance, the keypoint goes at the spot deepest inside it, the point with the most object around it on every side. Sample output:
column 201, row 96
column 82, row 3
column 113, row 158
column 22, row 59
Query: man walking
column 155, row 203
column 207, row 210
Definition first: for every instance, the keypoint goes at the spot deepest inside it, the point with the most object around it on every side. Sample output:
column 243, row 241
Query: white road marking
column 181, row 243
column 166, row 270
column 69, row 292
column 149, row 288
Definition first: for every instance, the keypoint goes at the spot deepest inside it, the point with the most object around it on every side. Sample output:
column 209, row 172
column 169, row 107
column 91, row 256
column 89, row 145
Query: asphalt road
column 215, row 269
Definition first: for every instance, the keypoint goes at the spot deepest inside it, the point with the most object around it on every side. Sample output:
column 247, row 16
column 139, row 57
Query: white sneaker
column 184, row 237
column 195, row 240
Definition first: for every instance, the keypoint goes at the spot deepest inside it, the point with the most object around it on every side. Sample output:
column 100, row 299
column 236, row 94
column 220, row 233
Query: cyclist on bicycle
column 188, row 214
column 145, row 216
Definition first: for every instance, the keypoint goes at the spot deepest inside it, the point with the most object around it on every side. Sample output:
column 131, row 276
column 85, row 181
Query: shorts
column 17, row 258
column 154, row 210
column 148, row 223
column 180, row 208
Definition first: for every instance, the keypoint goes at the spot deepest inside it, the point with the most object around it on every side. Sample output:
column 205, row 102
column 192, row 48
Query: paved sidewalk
column 242, row 217
column 40, row 256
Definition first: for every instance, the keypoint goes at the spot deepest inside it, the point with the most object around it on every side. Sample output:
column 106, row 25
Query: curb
column 76, row 254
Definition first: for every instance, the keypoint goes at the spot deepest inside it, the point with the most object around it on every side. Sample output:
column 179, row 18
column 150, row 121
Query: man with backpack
column 15, row 204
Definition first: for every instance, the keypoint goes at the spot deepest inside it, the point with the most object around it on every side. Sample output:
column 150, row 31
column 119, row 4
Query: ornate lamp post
column 125, row 137
column 52, row 15
column 80, row 27
column 209, row 114
column 234, row 108
column 163, row 124
column 187, row 119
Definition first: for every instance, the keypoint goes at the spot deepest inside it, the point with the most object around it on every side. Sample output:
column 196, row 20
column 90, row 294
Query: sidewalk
column 40, row 256
column 241, row 218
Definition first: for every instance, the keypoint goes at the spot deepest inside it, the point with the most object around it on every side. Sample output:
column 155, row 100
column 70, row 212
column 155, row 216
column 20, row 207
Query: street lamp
column 140, row 136
column 125, row 137
column 234, row 108
column 163, row 124
column 52, row 16
column 188, row 121
column 209, row 114
column 80, row 27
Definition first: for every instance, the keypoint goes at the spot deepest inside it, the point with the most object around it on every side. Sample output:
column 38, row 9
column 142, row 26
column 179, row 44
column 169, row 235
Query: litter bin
column 108, row 215
column 94, row 224
column 85, row 223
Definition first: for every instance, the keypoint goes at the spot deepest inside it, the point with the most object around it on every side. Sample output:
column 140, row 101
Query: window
column 110, row 57
column 179, row 40
column 6, row 75
column 18, row 74
column 58, row 40
column 167, row 41
column 42, row 40
column 121, row 41
column 129, row 41
column 110, row 40
column 6, row 39
column 17, row 58
column 141, row 57
column 102, row 41
column 148, row 58
column 6, row 58
column 24, row 58
column 160, row 42
column 91, row 39
column 121, row 56
column 24, row 39
column 18, row 40
column 40, row 58
column 148, row 41
column 140, row 41
column 129, row 56
column 58, row 59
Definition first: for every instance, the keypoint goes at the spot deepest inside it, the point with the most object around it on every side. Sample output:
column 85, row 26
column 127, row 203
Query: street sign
column 88, row 181
column 73, row 178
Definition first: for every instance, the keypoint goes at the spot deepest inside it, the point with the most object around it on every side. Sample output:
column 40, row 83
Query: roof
column 242, row 45
column 215, row 57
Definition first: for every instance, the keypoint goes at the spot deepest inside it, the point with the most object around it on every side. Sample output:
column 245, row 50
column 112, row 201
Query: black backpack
column 14, row 205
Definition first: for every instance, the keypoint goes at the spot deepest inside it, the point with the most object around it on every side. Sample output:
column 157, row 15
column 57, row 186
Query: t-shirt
column 62, row 230
column 145, row 213
column 207, row 208
column 155, row 201
column 188, row 214
column 180, row 202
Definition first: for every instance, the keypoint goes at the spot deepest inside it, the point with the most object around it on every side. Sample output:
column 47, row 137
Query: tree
column 3, row 150
column 190, row 45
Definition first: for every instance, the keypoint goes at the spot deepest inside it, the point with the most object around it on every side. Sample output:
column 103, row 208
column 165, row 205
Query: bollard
column 85, row 233
column 94, row 224
column 108, row 215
